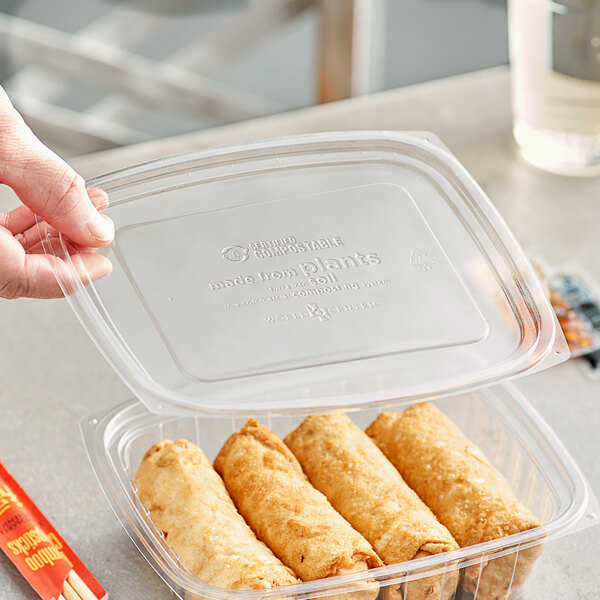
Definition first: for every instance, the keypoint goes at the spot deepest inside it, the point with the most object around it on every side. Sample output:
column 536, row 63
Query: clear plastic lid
column 305, row 273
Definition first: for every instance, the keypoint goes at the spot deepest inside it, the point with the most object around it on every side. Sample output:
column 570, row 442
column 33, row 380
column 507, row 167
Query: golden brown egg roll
column 188, row 501
column 462, row 488
column 343, row 463
column 286, row 512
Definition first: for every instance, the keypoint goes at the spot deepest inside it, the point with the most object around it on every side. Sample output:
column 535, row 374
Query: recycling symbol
column 421, row 261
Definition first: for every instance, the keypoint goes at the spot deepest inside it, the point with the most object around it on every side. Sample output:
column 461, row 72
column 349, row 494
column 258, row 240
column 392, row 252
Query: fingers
column 98, row 197
column 33, row 275
column 49, row 188
column 22, row 219
column 17, row 220
column 38, row 279
column 47, row 185
column 49, row 242
column 34, row 235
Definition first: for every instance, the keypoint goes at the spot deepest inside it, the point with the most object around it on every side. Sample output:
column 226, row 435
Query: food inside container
column 343, row 463
column 190, row 505
column 358, row 272
column 461, row 486
column 499, row 420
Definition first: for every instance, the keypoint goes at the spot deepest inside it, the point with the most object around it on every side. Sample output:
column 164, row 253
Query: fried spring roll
column 462, row 488
column 286, row 512
column 343, row 463
column 188, row 501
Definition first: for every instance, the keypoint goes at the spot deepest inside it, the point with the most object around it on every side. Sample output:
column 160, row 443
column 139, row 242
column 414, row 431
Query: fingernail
column 101, row 227
column 98, row 197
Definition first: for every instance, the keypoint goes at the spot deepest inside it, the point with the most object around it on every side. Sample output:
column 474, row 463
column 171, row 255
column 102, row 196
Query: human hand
column 51, row 189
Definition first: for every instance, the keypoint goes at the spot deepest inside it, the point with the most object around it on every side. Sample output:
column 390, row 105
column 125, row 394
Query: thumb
column 46, row 184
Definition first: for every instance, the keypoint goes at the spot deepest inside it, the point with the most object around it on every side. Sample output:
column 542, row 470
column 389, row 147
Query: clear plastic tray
column 339, row 269
column 499, row 420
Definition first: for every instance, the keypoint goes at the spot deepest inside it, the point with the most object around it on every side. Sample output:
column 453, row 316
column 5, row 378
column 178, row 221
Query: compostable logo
column 235, row 253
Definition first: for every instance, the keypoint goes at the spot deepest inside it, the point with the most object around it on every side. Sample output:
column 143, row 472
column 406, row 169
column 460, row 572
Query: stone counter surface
column 52, row 376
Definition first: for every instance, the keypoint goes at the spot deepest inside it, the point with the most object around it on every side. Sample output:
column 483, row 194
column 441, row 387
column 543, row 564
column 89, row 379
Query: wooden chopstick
column 69, row 593
column 75, row 589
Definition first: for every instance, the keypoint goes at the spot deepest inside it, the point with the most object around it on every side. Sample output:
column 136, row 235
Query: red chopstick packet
column 37, row 549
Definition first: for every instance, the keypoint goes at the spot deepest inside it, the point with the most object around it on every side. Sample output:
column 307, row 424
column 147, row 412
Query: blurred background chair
column 94, row 74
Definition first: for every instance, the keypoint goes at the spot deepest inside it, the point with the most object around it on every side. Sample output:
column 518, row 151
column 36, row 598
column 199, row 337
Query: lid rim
column 548, row 347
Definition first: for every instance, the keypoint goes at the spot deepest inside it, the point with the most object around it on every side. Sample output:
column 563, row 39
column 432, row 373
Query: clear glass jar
column 555, row 60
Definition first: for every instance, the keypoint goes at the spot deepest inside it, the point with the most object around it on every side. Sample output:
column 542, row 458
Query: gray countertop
column 52, row 375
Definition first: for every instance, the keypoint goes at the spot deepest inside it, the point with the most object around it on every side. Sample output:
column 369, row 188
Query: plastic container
column 499, row 420
column 346, row 270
